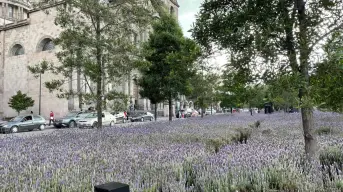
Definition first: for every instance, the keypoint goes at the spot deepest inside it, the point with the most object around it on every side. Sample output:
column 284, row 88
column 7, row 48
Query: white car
column 92, row 120
column 208, row 112
column 120, row 117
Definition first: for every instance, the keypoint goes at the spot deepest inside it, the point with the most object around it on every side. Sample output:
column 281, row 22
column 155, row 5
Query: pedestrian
column 51, row 117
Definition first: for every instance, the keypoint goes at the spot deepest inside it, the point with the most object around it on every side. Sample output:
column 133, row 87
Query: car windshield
column 17, row 119
column 91, row 115
column 71, row 114
column 82, row 115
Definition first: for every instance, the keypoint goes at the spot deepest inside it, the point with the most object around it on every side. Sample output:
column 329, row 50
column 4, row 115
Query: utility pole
column 40, row 93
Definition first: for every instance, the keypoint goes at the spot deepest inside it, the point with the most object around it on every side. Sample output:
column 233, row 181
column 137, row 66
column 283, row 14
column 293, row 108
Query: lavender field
column 188, row 155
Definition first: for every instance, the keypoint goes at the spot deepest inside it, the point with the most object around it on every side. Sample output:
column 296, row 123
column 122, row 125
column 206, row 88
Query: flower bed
column 173, row 156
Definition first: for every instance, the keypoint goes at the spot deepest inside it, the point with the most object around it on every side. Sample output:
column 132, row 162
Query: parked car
column 120, row 116
column 293, row 110
column 70, row 120
column 91, row 120
column 141, row 116
column 208, row 112
column 23, row 123
column 184, row 113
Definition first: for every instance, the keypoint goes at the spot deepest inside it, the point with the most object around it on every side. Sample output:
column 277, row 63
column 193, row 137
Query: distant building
column 26, row 39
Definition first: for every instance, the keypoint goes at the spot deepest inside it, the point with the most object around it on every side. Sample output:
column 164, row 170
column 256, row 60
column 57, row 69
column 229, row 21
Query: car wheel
column 15, row 129
column 124, row 121
column 95, row 125
column 72, row 124
column 41, row 127
column 112, row 124
column 142, row 119
column 151, row 118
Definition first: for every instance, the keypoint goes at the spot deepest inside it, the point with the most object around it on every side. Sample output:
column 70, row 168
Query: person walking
column 51, row 117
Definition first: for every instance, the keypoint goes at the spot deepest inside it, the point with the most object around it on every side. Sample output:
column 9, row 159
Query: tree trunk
column 156, row 112
column 170, row 109
column 231, row 110
column 306, row 109
column 99, row 78
column 202, row 112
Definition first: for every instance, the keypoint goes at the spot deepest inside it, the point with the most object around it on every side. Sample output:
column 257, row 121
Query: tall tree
column 20, row 102
column 327, row 80
column 283, row 91
column 151, row 87
column 97, row 42
column 203, row 89
column 169, row 57
column 272, row 29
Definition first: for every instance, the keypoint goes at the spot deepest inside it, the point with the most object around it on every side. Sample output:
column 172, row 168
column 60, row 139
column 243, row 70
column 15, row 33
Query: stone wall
column 16, row 75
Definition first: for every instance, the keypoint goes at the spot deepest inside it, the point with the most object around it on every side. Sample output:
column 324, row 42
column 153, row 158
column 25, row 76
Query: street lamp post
column 40, row 93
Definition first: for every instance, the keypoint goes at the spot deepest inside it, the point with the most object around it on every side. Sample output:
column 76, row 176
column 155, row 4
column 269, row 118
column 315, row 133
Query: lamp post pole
column 40, row 93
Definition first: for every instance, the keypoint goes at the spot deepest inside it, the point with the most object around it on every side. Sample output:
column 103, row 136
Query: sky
column 187, row 11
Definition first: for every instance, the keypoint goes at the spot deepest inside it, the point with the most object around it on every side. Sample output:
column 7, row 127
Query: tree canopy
column 168, row 61
column 271, row 33
column 20, row 102
column 97, row 44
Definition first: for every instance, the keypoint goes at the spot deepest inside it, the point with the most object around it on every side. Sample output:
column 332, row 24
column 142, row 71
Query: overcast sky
column 187, row 11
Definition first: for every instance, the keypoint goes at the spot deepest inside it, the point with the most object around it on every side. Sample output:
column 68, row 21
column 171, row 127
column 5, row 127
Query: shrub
column 280, row 180
column 323, row 131
column 190, row 174
column 339, row 185
column 257, row 124
column 217, row 143
column 331, row 158
column 242, row 135
column 266, row 131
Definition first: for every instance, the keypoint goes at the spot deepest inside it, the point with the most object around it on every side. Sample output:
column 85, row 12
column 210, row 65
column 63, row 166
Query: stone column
column 166, row 109
column 71, row 98
column 2, row 65
column 173, row 104
column 148, row 105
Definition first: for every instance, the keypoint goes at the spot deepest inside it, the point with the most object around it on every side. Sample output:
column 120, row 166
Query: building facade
column 26, row 38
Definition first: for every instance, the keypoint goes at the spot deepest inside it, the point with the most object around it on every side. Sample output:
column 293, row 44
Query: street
column 50, row 129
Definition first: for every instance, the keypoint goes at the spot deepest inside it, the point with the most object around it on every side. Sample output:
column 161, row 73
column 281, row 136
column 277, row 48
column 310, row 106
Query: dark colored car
column 141, row 116
column 23, row 123
column 184, row 113
column 293, row 110
column 70, row 120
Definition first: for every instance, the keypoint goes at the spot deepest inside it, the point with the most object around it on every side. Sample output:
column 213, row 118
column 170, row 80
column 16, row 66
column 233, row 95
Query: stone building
column 26, row 39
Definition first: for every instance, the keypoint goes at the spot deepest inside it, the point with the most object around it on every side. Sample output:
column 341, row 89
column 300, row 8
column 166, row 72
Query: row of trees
column 98, row 44
column 281, row 37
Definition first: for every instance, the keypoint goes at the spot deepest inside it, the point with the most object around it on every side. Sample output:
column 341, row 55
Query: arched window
column 46, row 45
column 172, row 10
column 17, row 49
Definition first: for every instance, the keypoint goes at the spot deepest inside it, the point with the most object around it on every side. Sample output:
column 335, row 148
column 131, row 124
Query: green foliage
column 97, row 43
column 169, row 60
column 331, row 161
column 327, row 80
column 20, row 102
column 203, row 89
column 331, row 157
column 217, row 143
column 323, row 131
column 263, row 33
column 283, row 91
column 267, row 131
column 190, row 174
column 280, row 180
column 242, row 135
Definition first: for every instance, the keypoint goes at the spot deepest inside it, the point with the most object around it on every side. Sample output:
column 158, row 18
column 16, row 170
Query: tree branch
column 325, row 35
